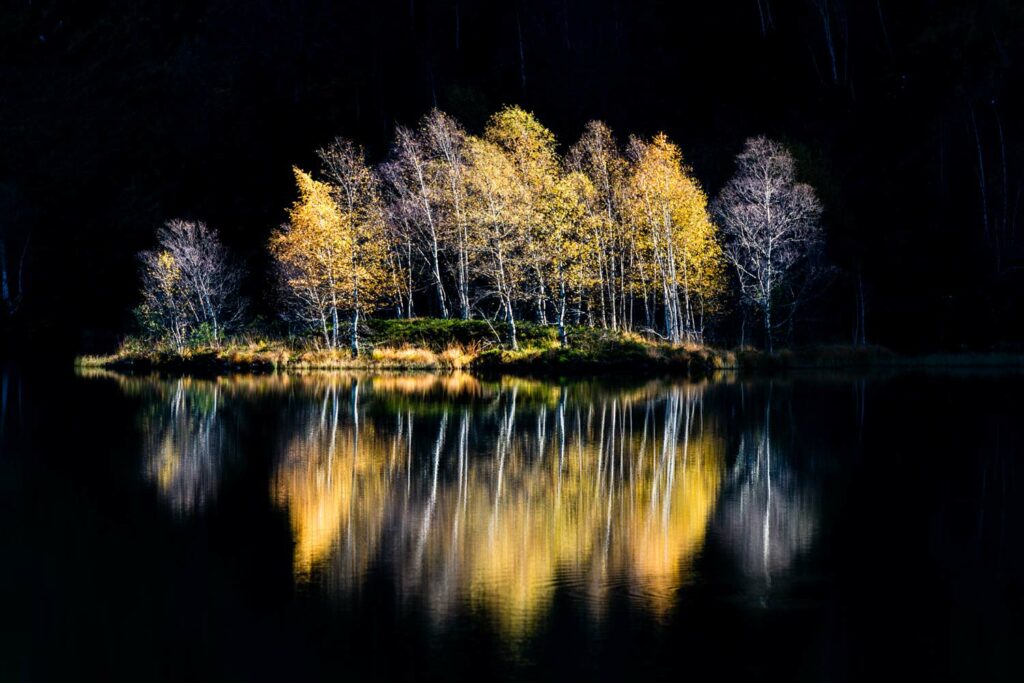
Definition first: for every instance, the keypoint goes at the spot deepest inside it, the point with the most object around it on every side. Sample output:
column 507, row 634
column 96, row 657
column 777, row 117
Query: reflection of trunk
column 504, row 442
column 767, row 514
column 428, row 516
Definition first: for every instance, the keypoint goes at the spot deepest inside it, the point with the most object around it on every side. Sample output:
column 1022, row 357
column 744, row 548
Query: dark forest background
column 906, row 115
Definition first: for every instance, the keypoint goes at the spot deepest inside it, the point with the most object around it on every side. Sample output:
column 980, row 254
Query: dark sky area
column 907, row 115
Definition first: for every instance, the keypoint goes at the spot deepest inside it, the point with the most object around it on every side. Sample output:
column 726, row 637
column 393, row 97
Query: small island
column 526, row 257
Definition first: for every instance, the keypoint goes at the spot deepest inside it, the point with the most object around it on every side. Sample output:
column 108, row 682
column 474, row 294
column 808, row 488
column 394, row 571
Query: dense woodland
column 904, row 117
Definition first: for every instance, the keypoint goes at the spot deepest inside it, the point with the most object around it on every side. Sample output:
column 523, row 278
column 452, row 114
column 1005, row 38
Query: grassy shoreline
column 444, row 345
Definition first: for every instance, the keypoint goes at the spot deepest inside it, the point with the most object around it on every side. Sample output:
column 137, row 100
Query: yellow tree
column 530, row 147
column 494, row 206
column 332, row 256
column 309, row 254
column 667, row 209
column 568, row 249
column 356, row 192
column 165, row 306
column 596, row 155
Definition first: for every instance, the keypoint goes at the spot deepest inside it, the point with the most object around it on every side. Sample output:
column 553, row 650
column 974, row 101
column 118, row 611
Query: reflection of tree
column 768, row 513
column 468, row 493
column 331, row 480
column 184, row 442
column 497, row 501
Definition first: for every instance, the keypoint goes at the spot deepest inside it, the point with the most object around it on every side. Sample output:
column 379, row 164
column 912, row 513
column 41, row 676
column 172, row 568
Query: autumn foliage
column 503, row 227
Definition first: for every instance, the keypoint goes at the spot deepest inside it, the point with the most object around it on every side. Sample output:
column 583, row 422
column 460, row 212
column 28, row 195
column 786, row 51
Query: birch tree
column 597, row 156
column 164, row 309
column 364, row 235
column 668, row 210
column 410, row 175
column 207, row 276
column 530, row 148
column 189, row 285
column 495, row 201
column 566, row 244
column 426, row 182
column 332, row 255
column 445, row 138
column 772, row 230
column 309, row 253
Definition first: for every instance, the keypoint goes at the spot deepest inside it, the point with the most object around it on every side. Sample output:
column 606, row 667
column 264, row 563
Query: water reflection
column 496, row 502
column 768, row 513
column 491, row 497
column 184, row 437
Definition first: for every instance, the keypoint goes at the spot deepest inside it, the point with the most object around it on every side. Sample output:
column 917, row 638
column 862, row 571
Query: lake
column 429, row 527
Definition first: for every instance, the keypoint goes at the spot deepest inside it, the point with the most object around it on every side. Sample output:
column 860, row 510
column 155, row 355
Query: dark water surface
column 420, row 527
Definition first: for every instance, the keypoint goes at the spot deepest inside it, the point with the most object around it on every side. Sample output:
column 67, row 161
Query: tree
column 333, row 254
column 530, row 148
column 566, row 243
column 668, row 210
column 209, row 278
column 364, row 234
column 494, row 207
column 596, row 155
column 772, row 230
column 416, row 202
column 164, row 308
column 426, row 179
column 310, row 258
column 189, row 284
column 446, row 140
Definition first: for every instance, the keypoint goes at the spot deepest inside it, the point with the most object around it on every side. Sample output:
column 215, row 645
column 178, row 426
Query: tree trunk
column 334, row 326
column 561, row 313
column 511, row 325
column 354, row 333
column 464, row 282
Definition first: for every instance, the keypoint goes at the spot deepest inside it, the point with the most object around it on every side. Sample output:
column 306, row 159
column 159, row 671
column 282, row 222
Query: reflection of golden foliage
column 487, row 494
column 583, row 494
column 666, row 534
column 448, row 386
column 333, row 484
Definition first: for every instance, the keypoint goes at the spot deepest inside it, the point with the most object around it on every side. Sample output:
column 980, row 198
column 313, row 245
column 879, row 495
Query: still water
column 439, row 527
